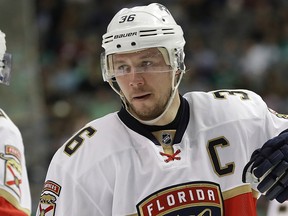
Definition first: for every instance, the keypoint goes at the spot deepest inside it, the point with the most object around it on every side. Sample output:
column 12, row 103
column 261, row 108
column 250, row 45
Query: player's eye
column 122, row 70
column 146, row 64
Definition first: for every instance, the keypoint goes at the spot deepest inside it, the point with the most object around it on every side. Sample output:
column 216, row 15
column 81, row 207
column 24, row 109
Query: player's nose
column 135, row 78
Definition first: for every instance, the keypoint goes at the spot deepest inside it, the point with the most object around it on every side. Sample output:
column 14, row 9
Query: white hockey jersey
column 14, row 185
column 193, row 166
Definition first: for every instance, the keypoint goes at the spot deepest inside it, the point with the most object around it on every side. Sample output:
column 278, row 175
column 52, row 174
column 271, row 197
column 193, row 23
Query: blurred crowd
column 230, row 44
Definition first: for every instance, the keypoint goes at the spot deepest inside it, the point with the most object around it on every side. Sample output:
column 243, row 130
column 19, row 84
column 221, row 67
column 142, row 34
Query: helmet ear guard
column 179, row 56
column 5, row 61
column 5, row 69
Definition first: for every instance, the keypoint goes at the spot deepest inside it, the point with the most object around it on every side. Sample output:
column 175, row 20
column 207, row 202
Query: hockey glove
column 268, row 166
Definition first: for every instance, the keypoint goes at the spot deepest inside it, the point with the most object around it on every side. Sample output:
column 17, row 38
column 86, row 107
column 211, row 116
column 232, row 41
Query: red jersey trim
column 240, row 201
column 243, row 204
column 8, row 198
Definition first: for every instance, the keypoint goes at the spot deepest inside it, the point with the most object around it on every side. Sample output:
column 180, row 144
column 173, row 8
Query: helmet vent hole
column 118, row 46
column 133, row 44
column 163, row 20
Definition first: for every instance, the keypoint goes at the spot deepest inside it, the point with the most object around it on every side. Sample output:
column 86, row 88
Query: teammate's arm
column 14, row 188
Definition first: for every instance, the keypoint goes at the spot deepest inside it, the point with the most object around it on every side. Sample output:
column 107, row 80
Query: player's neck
column 171, row 113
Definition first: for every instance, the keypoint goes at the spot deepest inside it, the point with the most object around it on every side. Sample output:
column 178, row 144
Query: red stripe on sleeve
column 7, row 209
column 243, row 204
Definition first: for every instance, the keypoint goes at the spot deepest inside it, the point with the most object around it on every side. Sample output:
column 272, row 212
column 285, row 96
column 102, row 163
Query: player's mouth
column 141, row 97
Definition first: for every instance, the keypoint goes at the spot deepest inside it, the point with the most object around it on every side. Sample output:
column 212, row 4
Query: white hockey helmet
column 5, row 61
column 141, row 27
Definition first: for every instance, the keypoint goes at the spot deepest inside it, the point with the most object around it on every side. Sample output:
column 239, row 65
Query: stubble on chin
column 146, row 113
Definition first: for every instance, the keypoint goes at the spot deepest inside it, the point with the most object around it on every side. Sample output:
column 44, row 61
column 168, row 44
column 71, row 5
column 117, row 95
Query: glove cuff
column 285, row 131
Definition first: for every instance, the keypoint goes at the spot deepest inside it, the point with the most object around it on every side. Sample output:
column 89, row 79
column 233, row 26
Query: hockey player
column 15, row 196
column 164, row 153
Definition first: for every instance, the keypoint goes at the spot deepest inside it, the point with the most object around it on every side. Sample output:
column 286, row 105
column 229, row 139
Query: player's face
column 145, row 82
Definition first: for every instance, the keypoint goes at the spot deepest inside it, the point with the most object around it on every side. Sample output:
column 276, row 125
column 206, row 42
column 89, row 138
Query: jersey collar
column 179, row 123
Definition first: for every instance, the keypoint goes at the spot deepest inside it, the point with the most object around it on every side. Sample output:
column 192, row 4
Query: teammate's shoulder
column 4, row 116
column 7, row 126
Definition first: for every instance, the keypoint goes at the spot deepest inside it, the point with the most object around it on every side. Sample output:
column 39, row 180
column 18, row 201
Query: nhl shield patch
column 194, row 198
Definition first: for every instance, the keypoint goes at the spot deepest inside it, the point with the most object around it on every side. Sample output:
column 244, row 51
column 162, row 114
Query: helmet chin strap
column 153, row 121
